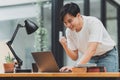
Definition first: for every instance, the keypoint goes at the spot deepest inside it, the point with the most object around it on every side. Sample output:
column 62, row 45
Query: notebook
column 45, row 61
column 86, row 65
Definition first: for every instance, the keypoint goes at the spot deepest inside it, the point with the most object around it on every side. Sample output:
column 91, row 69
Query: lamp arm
column 14, row 34
column 19, row 61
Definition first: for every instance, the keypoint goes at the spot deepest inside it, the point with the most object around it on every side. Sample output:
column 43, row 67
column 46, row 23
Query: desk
column 61, row 76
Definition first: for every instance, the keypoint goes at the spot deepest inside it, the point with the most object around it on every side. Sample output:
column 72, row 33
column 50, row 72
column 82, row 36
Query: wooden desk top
column 92, row 74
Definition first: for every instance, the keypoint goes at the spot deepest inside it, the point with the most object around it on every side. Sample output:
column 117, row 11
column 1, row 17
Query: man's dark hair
column 70, row 8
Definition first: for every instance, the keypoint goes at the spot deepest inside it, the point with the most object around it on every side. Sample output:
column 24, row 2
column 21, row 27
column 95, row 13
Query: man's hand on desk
column 66, row 69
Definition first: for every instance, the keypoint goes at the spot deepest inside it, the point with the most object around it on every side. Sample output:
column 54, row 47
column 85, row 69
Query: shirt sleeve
column 96, row 31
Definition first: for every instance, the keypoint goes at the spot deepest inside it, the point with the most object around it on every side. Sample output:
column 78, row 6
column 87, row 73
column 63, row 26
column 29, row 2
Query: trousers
column 109, row 60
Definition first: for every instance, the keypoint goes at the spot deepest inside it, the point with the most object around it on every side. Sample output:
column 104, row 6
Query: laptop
column 45, row 61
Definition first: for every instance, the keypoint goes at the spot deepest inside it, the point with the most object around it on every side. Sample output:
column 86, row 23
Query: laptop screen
column 45, row 61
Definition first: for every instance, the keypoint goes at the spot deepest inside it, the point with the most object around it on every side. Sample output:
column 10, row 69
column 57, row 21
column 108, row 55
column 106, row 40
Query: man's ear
column 78, row 15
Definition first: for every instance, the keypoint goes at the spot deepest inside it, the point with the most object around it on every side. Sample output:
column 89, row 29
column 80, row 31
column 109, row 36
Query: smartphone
column 60, row 34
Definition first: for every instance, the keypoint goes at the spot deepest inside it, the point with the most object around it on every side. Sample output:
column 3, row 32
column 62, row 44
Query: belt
column 103, row 55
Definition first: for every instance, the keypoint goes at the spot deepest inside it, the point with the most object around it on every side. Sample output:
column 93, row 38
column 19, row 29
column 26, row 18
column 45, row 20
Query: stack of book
column 88, row 68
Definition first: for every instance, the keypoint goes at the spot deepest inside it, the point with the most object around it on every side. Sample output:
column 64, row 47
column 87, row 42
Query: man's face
column 73, row 23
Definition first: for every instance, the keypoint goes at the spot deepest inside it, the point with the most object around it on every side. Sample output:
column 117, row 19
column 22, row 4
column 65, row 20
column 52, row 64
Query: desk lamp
column 30, row 28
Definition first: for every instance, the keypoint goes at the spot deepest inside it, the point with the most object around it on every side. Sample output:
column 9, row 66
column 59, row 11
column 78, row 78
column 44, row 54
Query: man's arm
column 92, row 46
column 72, row 54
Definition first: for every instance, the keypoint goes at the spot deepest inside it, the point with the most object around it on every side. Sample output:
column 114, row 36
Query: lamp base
column 23, row 70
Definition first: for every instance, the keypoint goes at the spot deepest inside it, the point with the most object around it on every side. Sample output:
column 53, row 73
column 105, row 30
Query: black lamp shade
column 30, row 26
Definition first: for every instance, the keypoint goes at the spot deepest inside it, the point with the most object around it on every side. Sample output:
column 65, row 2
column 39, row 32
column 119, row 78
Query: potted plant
column 9, row 64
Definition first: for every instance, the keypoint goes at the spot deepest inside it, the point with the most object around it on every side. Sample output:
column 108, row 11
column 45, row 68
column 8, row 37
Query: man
column 87, row 35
